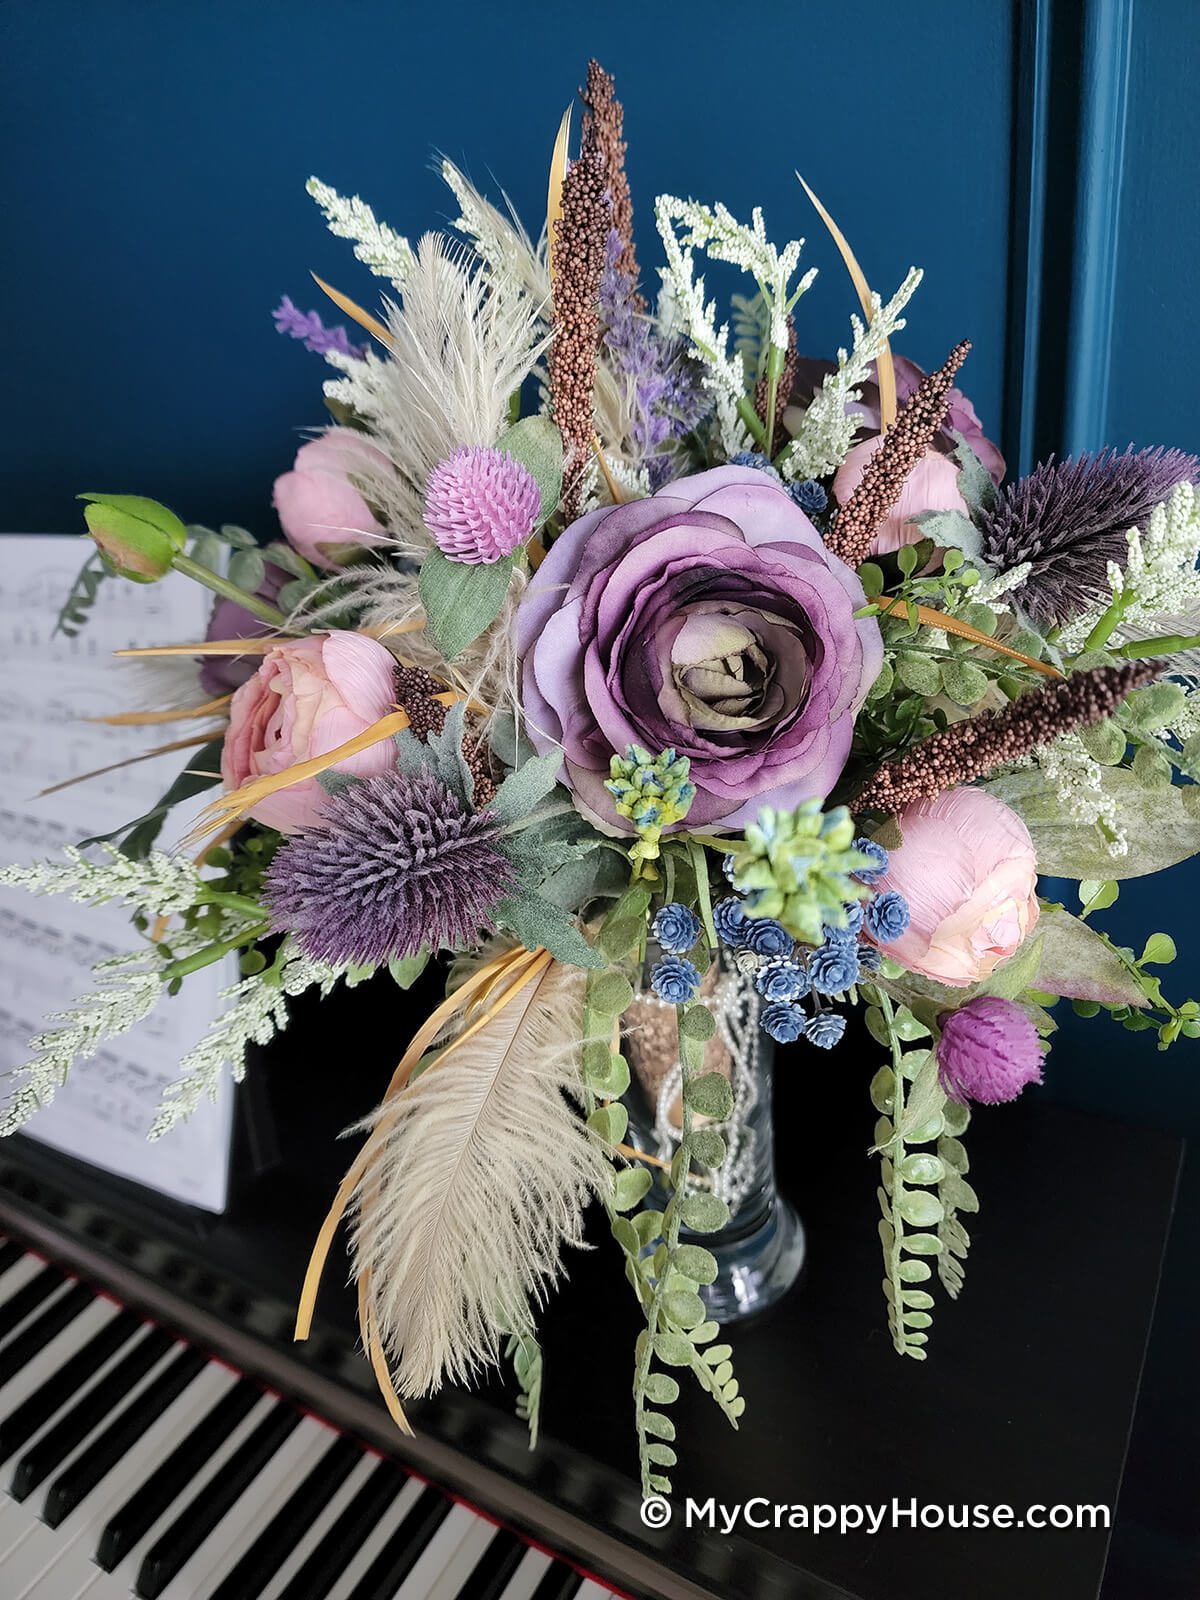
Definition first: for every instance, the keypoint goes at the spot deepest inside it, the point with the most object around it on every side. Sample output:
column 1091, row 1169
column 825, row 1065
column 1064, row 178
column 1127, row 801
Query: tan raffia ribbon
column 146, row 755
column 558, row 173
column 351, row 309
column 885, row 366
column 518, row 968
column 260, row 645
column 938, row 619
column 147, row 719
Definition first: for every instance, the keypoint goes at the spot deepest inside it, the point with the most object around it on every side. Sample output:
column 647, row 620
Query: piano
column 161, row 1435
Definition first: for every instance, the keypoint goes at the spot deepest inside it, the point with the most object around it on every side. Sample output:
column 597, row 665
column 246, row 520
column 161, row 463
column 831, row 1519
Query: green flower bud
column 138, row 538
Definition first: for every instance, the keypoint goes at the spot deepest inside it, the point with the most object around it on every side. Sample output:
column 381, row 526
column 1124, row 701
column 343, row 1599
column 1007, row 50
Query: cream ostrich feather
column 479, row 1175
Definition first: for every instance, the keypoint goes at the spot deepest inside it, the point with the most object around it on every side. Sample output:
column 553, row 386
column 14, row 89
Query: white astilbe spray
column 826, row 429
column 1078, row 783
column 159, row 886
column 380, row 248
column 719, row 234
column 459, row 348
column 1158, row 588
column 480, row 1178
column 127, row 988
column 257, row 1012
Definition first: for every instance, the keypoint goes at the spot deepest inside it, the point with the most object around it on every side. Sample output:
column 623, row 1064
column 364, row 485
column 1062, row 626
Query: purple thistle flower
column 1070, row 518
column 666, row 392
column 396, row 865
column 480, row 504
column 315, row 336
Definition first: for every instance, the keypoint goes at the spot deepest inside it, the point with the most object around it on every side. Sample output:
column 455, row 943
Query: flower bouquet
column 607, row 634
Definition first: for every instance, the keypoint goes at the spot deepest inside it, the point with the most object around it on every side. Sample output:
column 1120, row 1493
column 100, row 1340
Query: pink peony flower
column 319, row 508
column 308, row 696
column 989, row 1050
column 932, row 485
column 969, row 873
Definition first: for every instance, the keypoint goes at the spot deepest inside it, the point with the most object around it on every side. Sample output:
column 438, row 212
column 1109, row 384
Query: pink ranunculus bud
column 319, row 506
column 932, row 485
column 308, row 696
column 988, row 1051
column 968, row 870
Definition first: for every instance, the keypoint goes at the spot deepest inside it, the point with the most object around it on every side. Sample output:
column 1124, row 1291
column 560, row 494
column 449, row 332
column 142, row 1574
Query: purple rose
column 220, row 674
column 961, row 416
column 709, row 618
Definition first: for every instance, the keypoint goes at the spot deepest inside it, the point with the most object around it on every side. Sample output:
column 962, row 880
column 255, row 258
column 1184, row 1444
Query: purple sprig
column 668, row 398
column 312, row 332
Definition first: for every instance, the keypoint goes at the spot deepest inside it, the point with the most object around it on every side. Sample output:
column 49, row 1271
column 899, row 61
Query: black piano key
column 58, row 1390
column 47, row 1325
column 106, row 1449
column 10, row 1254
column 558, row 1583
column 404, row 1549
column 494, row 1569
column 275, row 1543
column 326, row 1562
column 201, row 1515
column 181, row 1468
column 87, row 1414
column 28, row 1298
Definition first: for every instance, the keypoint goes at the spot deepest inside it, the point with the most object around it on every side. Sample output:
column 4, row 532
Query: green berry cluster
column 653, row 792
column 797, row 866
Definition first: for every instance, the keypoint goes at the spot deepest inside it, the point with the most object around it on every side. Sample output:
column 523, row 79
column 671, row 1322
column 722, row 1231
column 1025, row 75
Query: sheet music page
column 48, row 945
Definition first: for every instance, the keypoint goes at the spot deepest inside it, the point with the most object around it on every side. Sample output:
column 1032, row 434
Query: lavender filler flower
column 312, row 332
column 396, row 865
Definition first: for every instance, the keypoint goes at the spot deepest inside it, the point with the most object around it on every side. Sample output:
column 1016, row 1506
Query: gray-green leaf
column 462, row 598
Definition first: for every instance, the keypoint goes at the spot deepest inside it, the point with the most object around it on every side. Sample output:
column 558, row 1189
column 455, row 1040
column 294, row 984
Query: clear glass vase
column 760, row 1251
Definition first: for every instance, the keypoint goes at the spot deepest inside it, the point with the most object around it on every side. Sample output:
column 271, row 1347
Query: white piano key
column 357, row 1561
column 234, row 1534
column 458, row 1566
column 591, row 1590
column 18, row 1275
column 69, row 1547
column 438, row 1555
column 52, row 1356
column 125, row 1572
column 529, row 1574
column 322, row 1524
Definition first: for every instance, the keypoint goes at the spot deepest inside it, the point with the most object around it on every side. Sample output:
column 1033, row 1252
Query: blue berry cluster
column 786, row 973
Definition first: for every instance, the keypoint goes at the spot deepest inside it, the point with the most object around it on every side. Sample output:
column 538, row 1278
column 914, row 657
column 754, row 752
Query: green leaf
column 1159, row 950
column 540, row 924
column 246, row 569
column 974, row 480
column 673, row 1350
column 920, row 1208
column 694, row 1261
column 685, row 1308
column 662, row 1389
column 950, row 530
column 537, row 444
column 611, row 1122
column 698, row 1024
column 703, row 1212
column 1105, row 741
column 964, row 682
column 629, row 1187
column 523, row 790
column 405, row 970
column 462, row 598
column 710, row 1096
column 610, row 994
column 201, row 772
column 919, row 673
column 1079, row 964
column 707, row 1147
column 1160, row 830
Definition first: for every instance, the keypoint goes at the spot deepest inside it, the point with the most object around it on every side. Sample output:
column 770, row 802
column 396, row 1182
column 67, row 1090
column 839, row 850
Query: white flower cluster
column 505, row 249
column 826, row 428
column 159, row 885
column 1159, row 582
column 993, row 586
column 1078, row 782
column 386, row 252
column 258, row 1012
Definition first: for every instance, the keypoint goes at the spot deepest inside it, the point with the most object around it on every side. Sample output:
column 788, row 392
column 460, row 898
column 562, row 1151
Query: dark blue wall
column 157, row 150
